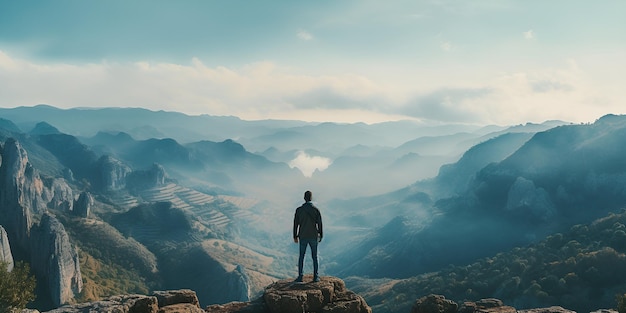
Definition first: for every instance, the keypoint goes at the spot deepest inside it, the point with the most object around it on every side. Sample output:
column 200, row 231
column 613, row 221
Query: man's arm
column 295, row 227
column 320, row 230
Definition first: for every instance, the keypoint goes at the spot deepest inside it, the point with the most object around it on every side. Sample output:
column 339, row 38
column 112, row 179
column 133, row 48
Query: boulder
column 119, row 304
column 489, row 305
column 434, row 304
column 174, row 301
column 327, row 295
column 552, row 309
column 5, row 250
column 169, row 297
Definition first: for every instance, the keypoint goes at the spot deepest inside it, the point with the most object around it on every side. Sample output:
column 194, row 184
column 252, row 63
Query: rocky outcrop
column 439, row 304
column 285, row 296
column 55, row 260
column 20, row 193
column 434, row 304
column 24, row 196
column 155, row 176
column 82, row 206
column 5, row 250
column 112, row 173
column 59, row 195
column 172, row 301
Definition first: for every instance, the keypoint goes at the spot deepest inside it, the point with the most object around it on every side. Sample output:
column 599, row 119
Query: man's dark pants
column 313, row 244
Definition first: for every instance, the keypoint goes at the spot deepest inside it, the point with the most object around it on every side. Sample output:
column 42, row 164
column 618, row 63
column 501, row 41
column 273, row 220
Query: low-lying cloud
column 308, row 164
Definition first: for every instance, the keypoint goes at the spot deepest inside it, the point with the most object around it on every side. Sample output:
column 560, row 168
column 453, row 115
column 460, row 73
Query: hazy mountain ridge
column 124, row 274
column 238, row 241
column 545, row 186
column 580, row 269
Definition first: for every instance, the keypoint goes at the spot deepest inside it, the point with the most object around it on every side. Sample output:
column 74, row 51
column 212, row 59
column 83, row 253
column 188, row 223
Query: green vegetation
column 110, row 263
column 17, row 288
column 621, row 303
column 582, row 270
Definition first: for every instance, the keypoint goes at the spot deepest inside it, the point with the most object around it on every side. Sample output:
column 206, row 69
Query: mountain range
column 143, row 200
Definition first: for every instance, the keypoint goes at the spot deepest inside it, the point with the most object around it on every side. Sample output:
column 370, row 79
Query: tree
column 17, row 288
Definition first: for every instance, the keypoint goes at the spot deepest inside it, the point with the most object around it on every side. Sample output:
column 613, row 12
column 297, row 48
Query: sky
column 434, row 61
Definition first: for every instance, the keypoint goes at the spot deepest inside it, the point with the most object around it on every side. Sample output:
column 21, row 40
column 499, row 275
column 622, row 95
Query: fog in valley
column 398, row 200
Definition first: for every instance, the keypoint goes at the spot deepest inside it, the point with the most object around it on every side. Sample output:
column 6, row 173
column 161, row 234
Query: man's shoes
column 316, row 279
column 298, row 280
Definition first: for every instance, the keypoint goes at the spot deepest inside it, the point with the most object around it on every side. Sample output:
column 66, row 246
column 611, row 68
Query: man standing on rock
column 307, row 229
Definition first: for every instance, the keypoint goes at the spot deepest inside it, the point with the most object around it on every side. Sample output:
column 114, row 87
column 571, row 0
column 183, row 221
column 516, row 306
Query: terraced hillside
column 215, row 212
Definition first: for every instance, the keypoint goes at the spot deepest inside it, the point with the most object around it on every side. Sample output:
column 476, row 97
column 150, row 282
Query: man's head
column 308, row 195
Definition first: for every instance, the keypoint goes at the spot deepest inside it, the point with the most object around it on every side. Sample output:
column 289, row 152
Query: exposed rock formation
column 160, row 302
column 54, row 259
column 24, row 195
column 328, row 295
column 111, row 173
column 5, row 249
column 434, row 304
column 144, row 179
column 20, row 193
column 439, row 304
column 82, row 206
column 59, row 196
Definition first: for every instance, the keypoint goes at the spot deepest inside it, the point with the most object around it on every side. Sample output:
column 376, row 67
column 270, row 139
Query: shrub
column 17, row 288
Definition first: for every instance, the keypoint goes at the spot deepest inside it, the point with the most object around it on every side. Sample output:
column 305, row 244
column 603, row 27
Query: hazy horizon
column 485, row 62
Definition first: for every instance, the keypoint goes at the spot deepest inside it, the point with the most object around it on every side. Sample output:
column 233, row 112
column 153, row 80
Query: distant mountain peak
column 43, row 128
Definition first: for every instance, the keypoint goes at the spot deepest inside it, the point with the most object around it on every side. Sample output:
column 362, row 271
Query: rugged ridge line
column 24, row 197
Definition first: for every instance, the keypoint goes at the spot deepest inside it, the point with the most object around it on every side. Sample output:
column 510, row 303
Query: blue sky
column 440, row 61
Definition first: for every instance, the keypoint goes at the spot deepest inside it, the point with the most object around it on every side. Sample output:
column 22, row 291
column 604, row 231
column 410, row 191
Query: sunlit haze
column 477, row 62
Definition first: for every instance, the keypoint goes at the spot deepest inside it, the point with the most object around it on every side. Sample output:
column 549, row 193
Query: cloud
column 529, row 34
column 446, row 46
column 267, row 90
column 309, row 164
column 448, row 105
column 304, row 35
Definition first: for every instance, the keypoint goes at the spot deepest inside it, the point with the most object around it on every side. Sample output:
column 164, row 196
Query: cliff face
column 20, row 193
column 83, row 205
column 54, row 259
column 111, row 173
column 5, row 249
column 25, row 195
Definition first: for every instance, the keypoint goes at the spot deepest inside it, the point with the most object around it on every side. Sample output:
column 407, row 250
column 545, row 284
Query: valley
column 409, row 209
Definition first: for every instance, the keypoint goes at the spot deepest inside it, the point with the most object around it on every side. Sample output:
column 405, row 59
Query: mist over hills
column 207, row 202
column 560, row 177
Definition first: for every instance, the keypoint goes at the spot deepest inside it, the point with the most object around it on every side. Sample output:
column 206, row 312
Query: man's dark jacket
column 307, row 223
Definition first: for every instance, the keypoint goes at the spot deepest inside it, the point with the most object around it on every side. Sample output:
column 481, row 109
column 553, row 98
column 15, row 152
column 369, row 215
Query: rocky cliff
column 111, row 173
column 82, row 206
column 328, row 295
column 55, row 260
column 25, row 196
column 5, row 250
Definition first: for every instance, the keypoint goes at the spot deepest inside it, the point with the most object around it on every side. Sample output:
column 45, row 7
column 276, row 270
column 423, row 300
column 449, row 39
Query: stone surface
column 169, row 297
column 489, row 305
column 434, row 304
column 552, row 309
column 139, row 304
column 328, row 295
column 83, row 204
column 55, row 260
column 112, row 173
column 5, row 250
